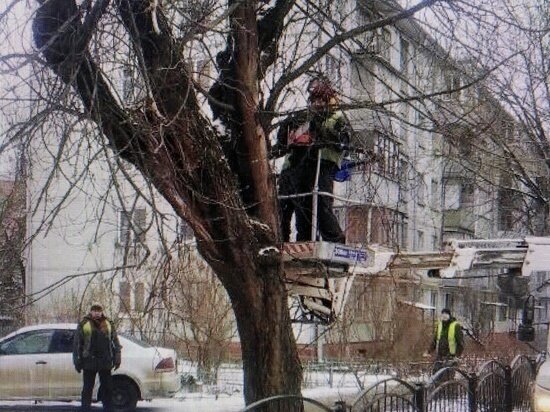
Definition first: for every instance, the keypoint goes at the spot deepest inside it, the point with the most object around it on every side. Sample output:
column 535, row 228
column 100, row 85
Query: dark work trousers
column 106, row 384
column 300, row 178
column 327, row 224
column 288, row 185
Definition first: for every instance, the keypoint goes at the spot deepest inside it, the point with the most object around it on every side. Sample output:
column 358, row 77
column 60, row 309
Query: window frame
column 25, row 335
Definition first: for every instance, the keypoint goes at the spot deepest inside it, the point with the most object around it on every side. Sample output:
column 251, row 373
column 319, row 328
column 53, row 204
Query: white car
column 36, row 363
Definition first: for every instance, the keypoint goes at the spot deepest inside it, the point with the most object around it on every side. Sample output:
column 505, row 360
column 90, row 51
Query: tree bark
column 270, row 358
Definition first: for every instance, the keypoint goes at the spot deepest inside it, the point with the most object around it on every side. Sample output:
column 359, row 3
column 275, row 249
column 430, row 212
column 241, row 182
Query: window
column 140, row 223
column 125, row 295
column 376, row 225
column 436, row 201
column 435, row 242
column 384, row 44
column 421, row 191
column 362, row 80
column 389, row 157
column 433, row 298
column 29, row 343
column 132, row 226
column 62, row 341
column 333, row 69
column 507, row 201
column 419, row 239
column 127, row 83
column 139, row 297
column 502, row 312
column 508, row 131
column 135, row 340
column 449, row 301
column 452, row 195
column 541, row 277
column 456, row 85
column 387, row 227
column 123, row 227
column 183, row 231
column 404, row 56
column 467, row 192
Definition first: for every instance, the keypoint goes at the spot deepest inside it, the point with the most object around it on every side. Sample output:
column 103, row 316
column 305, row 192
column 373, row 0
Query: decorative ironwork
column 389, row 395
column 494, row 387
column 285, row 403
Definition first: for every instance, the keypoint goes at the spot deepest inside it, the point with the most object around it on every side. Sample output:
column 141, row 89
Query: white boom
column 320, row 274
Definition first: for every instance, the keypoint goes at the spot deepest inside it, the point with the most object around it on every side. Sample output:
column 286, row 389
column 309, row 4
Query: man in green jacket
column 96, row 351
column 320, row 131
column 448, row 342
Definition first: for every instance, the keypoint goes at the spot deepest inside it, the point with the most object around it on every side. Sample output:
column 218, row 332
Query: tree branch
column 270, row 29
column 336, row 40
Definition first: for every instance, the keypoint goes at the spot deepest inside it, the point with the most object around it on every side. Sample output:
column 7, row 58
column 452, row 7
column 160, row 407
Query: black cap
column 96, row 307
column 448, row 311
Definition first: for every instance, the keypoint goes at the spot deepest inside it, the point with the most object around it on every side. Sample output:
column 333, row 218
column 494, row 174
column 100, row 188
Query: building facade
column 427, row 118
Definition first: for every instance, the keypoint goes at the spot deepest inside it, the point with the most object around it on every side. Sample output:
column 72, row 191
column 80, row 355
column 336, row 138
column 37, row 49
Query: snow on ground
column 191, row 402
column 325, row 386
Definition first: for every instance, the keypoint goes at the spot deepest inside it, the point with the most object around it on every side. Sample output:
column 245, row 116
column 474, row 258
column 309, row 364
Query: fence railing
column 492, row 387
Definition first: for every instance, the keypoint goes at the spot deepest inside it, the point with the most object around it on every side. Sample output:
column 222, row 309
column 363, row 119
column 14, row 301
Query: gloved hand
column 78, row 369
column 117, row 365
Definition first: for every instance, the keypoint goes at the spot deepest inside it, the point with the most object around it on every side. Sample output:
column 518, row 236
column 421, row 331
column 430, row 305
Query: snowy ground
column 188, row 403
column 324, row 386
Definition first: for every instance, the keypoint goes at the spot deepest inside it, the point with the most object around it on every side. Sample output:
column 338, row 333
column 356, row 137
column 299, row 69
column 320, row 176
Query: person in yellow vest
column 448, row 342
column 96, row 351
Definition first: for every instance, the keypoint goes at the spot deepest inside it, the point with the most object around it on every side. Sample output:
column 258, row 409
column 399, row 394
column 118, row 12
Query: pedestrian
column 321, row 130
column 448, row 342
column 96, row 351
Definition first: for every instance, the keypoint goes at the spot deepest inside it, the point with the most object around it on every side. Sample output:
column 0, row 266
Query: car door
column 64, row 381
column 23, row 365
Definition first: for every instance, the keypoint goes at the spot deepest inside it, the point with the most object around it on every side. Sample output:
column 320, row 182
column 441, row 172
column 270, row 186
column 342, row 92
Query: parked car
column 541, row 392
column 36, row 364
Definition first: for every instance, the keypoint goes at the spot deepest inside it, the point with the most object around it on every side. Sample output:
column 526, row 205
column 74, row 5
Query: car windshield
column 136, row 340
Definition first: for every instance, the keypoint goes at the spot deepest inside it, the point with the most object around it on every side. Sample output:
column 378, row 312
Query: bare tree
column 200, row 312
column 12, row 242
column 211, row 163
column 219, row 181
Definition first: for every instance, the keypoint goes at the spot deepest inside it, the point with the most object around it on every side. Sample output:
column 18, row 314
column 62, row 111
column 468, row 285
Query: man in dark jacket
column 96, row 351
column 448, row 342
column 322, row 130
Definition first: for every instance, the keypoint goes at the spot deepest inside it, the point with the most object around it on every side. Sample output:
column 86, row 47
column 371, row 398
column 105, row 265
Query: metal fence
column 493, row 387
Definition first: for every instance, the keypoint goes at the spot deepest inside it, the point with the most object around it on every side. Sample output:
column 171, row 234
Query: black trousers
column 300, row 178
column 106, row 383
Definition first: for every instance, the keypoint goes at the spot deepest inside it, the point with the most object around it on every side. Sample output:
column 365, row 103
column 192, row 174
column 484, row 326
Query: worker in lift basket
column 322, row 130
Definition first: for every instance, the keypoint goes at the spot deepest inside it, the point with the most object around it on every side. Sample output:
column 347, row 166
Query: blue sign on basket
column 350, row 254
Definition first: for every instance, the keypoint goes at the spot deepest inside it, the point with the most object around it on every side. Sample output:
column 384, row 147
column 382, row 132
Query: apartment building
column 406, row 100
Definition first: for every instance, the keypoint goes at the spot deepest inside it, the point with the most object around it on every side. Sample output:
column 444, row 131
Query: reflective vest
column 87, row 335
column 451, row 335
column 87, row 328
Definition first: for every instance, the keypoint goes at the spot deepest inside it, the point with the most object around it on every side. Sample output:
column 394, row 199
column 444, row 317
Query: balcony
column 459, row 220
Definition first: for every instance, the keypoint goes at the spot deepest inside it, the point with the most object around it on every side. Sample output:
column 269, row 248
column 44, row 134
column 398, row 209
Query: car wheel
column 125, row 396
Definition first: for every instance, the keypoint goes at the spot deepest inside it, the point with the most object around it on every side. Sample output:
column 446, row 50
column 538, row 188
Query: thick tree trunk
column 270, row 360
column 260, row 303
